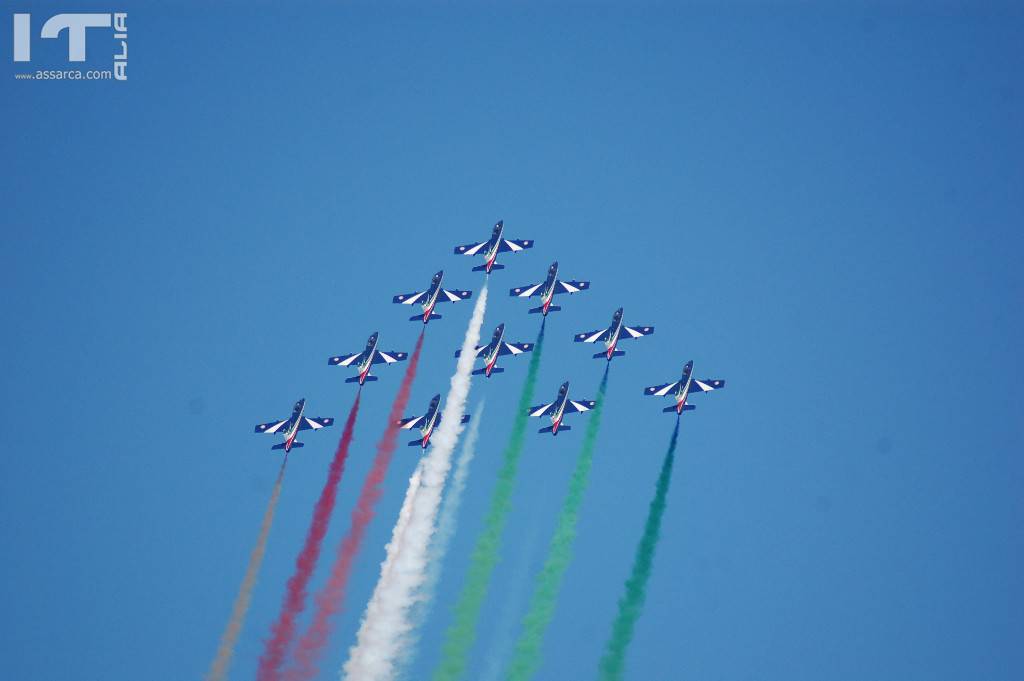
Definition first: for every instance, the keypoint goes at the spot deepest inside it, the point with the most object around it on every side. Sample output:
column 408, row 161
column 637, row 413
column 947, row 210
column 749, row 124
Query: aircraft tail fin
column 295, row 445
column 548, row 429
column 495, row 370
column 419, row 318
column 686, row 407
column 604, row 355
column 483, row 268
column 416, row 443
column 355, row 379
column 553, row 308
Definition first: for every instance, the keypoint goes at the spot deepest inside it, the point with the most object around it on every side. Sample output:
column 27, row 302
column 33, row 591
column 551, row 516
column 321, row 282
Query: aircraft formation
column 489, row 353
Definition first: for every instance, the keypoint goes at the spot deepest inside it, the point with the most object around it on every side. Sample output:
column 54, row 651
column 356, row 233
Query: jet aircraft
column 682, row 388
column 426, row 423
column 291, row 426
column 559, row 408
column 495, row 349
column 612, row 335
column 547, row 290
column 365, row 359
column 492, row 247
column 429, row 298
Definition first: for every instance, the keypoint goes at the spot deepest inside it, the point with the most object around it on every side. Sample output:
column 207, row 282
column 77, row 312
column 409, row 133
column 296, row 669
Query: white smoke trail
column 447, row 522
column 386, row 622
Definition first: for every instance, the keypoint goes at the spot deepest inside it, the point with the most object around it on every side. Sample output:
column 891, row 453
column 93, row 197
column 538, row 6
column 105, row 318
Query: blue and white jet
column 495, row 349
column 291, row 426
column 547, row 290
column 366, row 359
column 683, row 388
column 426, row 423
column 612, row 335
column 559, row 408
column 492, row 247
column 431, row 297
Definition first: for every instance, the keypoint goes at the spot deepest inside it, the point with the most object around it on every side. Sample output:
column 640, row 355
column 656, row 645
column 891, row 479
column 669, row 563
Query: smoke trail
column 295, row 593
column 527, row 657
column 632, row 601
column 330, row 597
column 219, row 667
column 515, row 592
column 386, row 623
column 462, row 632
column 447, row 522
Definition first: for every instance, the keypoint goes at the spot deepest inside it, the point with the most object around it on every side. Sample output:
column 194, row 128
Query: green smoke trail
column 461, row 633
column 632, row 601
column 527, row 657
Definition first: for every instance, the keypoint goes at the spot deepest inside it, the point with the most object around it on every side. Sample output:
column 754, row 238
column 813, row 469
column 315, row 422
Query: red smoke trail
column 295, row 594
column 328, row 600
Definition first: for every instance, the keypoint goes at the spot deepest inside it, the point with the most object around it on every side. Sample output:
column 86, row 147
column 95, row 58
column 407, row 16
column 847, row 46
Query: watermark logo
column 77, row 28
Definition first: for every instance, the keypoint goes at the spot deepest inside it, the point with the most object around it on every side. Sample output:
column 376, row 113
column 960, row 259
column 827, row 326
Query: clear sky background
column 821, row 205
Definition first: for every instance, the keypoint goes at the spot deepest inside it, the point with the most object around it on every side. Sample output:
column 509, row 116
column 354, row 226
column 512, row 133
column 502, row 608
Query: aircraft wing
column 345, row 360
column 514, row 245
column 636, row 331
column 272, row 427
column 526, row 291
column 514, row 348
column 471, row 249
column 480, row 351
column 706, row 385
column 410, row 423
column 315, row 424
column 571, row 286
column 388, row 357
column 592, row 336
column 453, row 296
column 542, row 410
column 661, row 390
column 465, row 418
column 409, row 298
column 573, row 406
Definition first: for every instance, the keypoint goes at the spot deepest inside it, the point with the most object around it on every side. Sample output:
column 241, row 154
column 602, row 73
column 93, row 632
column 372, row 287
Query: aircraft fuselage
column 491, row 358
column 613, row 335
column 429, row 422
column 491, row 254
column 559, row 413
column 683, row 391
column 549, row 288
column 430, row 299
column 293, row 428
column 367, row 361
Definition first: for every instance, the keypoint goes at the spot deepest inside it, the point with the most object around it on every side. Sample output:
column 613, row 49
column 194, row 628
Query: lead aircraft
column 425, row 423
column 495, row 349
column 559, row 408
column 492, row 247
column 291, row 426
column 547, row 290
column 612, row 335
column 682, row 388
column 365, row 359
column 431, row 297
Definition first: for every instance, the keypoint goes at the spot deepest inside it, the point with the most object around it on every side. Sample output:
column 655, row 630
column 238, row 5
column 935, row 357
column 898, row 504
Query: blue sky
column 819, row 204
